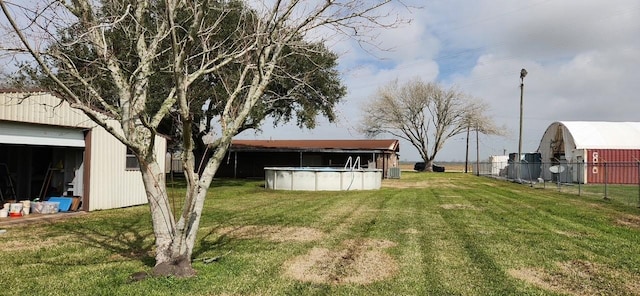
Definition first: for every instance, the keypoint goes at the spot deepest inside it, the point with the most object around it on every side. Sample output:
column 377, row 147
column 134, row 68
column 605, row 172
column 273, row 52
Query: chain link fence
column 618, row 181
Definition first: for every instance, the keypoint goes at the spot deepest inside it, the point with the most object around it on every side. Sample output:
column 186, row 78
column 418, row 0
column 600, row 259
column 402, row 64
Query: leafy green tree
column 305, row 86
column 130, row 64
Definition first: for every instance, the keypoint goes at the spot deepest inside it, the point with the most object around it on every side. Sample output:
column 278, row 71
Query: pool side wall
column 322, row 179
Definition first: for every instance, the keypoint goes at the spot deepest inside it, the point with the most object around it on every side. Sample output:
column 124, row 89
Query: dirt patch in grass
column 536, row 277
column 357, row 261
column 629, row 221
column 273, row 233
column 458, row 207
column 579, row 277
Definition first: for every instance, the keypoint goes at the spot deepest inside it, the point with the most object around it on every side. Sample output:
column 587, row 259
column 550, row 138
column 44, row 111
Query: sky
column 580, row 55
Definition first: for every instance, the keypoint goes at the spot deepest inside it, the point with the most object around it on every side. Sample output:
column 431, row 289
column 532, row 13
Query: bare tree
column 425, row 114
column 115, row 91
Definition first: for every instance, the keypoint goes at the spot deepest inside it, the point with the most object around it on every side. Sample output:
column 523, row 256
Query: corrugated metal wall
column 41, row 108
column 111, row 184
column 615, row 166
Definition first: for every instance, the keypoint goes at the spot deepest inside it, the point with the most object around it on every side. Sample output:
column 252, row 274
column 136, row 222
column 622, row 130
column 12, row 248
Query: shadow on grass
column 126, row 239
column 122, row 237
column 205, row 244
column 224, row 240
column 178, row 181
column 253, row 182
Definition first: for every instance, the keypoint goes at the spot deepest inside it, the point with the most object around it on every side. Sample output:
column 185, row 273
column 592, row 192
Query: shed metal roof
column 386, row 145
column 40, row 108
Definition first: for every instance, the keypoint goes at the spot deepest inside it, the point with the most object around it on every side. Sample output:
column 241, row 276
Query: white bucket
column 4, row 213
column 26, row 206
column 15, row 208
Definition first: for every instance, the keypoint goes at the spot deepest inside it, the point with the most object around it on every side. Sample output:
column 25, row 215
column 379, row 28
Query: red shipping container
column 615, row 166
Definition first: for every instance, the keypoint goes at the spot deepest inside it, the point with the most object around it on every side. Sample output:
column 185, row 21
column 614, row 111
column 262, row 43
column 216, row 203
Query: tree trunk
column 175, row 240
column 173, row 256
column 201, row 193
column 428, row 165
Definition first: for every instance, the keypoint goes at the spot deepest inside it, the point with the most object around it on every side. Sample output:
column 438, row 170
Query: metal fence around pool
column 618, row 181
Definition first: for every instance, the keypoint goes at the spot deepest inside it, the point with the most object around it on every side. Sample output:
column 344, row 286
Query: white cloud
column 581, row 55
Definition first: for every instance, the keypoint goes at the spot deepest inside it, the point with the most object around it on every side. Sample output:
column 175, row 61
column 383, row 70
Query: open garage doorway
column 29, row 172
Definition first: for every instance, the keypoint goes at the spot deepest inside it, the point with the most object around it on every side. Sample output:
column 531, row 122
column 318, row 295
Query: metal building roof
column 387, row 145
column 603, row 134
column 40, row 108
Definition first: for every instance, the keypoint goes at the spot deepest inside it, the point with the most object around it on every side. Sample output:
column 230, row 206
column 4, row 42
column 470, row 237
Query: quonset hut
column 591, row 152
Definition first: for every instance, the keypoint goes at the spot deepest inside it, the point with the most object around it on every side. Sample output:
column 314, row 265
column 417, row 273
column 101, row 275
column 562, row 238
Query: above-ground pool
column 318, row 179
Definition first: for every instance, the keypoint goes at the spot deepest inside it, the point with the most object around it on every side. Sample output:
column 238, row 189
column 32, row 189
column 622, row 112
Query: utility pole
column 466, row 158
column 477, row 151
column 523, row 73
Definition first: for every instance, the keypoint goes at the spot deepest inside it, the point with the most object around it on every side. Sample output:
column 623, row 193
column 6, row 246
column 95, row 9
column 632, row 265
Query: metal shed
column 589, row 148
column 248, row 158
column 48, row 148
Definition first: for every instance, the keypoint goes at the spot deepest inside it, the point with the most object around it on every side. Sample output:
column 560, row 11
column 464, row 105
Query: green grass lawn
column 628, row 194
column 425, row 234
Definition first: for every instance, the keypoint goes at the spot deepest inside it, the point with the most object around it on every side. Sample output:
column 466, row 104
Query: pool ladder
column 352, row 164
